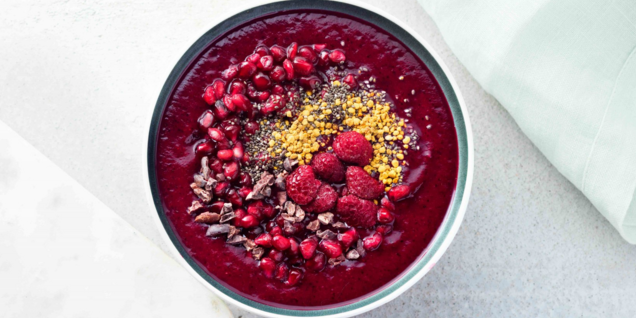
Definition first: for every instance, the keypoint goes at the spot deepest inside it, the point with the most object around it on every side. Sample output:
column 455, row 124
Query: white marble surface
column 79, row 79
column 63, row 253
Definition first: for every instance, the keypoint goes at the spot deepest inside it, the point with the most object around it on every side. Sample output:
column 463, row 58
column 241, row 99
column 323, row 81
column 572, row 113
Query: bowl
column 456, row 210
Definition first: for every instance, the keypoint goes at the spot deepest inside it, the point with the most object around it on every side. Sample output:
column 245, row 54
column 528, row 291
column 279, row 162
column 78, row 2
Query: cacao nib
column 207, row 218
column 195, row 207
column 218, row 229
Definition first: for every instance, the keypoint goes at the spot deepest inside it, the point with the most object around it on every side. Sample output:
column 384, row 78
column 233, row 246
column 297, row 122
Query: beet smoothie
column 232, row 120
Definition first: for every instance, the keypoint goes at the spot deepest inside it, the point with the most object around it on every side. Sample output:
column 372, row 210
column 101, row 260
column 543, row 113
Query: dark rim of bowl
column 371, row 17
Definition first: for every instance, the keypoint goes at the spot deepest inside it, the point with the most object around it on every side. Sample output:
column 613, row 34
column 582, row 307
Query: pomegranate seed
column 234, row 198
column 319, row 47
column 231, row 170
column 372, row 242
column 331, row 248
column 384, row 229
column 255, row 209
column 220, row 110
column 399, row 192
column 276, row 255
column 264, row 240
column 385, row 216
column 267, row 265
column 216, row 165
column 290, row 230
column 238, row 151
column 208, row 95
column 268, row 210
column 227, row 101
column 278, row 74
column 230, row 72
column 231, row 132
column 308, row 247
column 275, row 102
column 261, row 50
column 293, row 246
column 276, row 230
column 216, row 206
column 246, row 69
column 237, row 87
column 249, row 221
column 281, row 272
column 262, row 96
column 219, row 88
column 251, row 127
column 280, row 221
column 244, row 192
column 269, row 226
column 206, row 120
column 292, row 49
column 223, row 145
column 344, row 191
column 310, row 82
column 278, row 90
column 261, row 81
column 278, row 52
column 302, row 66
column 266, row 63
column 316, row 263
column 350, row 80
column 348, row 237
column 239, row 213
column 337, row 56
column 253, row 58
column 204, row 148
column 289, row 69
column 323, row 57
column 225, row 155
column 246, row 179
column 280, row 242
column 294, row 277
column 385, row 203
column 216, row 134
column 241, row 102
column 221, row 189
column 308, row 53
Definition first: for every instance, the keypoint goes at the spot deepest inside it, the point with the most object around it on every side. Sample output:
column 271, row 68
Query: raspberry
column 328, row 167
column 302, row 186
column 356, row 211
column 360, row 183
column 324, row 201
column 352, row 147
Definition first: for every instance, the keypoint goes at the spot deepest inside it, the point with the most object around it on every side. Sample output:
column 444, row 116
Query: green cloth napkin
column 566, row 72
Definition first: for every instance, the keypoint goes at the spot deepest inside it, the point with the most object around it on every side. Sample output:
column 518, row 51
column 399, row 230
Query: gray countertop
column 79, row 80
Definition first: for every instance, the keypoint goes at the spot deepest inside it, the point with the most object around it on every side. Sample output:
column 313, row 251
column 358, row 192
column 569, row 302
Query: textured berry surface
column 325, row 200
column 360, row 183
column 356, row 211
column 352, row 147
column 302, row 185
column 328, row 167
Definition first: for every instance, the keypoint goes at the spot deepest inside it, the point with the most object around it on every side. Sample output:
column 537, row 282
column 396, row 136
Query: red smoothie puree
column 432, row 171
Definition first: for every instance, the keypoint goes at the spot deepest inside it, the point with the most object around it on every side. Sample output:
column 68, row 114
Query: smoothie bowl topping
column 300, row 164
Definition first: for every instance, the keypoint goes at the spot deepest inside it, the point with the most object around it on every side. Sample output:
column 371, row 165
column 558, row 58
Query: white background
column 79, row 78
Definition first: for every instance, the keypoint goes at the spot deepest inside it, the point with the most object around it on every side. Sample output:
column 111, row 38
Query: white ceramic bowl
column 453, row 218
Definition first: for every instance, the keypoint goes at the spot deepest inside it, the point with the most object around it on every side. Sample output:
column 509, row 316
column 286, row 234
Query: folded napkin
column 566, row 72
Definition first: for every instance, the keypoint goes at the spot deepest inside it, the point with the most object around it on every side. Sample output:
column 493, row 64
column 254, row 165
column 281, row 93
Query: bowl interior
column 453, row 216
